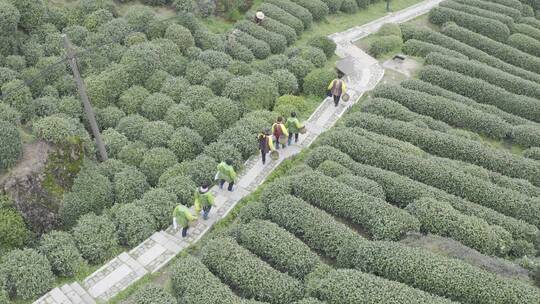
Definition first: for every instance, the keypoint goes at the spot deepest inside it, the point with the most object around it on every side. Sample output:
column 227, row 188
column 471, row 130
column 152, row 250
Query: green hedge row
column 402, row 190
column 317, row 8
column 511, row 3
column 434, row 173
column 193, row 283
column 349, row 286
column 428, row 35
column 278, row 247
column 296, row 10
column 277, row 42
column 491, row 28
column 449, row 146
column 531, row 21
column 248, row 275
column 494, row 7
column 492, row 47
column 275, row 26
column 259, row 48
column 449, row 111
column 440, row 218
column 508, row 21
column 509, row 82
column 528, row 30
column 419, row 48
column 525, row 43
column 482, row 92
column 281, row 15
column 318, row 229
column 384, row 44
column 422, row 86
column 362, row 184
column 382, row 220
column 436, row 274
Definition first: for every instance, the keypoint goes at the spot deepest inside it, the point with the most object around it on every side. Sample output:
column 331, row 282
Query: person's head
column 280, row 119
column 267, row 131
column 204, row 186
column 259, row 15
column 339, row 75
column 293, row 114
column 229, row 162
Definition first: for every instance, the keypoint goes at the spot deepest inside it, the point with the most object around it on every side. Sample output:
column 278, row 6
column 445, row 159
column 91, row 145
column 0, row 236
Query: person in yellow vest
column 266, row 143
column 279, row 129
column 182, row 217
column 227, row 174
column 293, row 126
column 337, row 88
column 204, row 200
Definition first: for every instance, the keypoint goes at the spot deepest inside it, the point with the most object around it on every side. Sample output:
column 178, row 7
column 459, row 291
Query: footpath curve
column 363, row 73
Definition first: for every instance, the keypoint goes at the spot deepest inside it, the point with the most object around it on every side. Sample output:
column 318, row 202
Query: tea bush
column 362, row 184
column 134, row 224
column 108, row 117
column 281, row 15
column 217, row 79
column 327, row 45
column 131, row 126
column 510, row 10
column 277, row 27
column 259, row 48
column 277, row 42
column 131, row 100
column 13, row 231
column 252, row 277
column 10, row 18
column 174, row 87
column 180, row 35
column 279, row 248
column 60, row 249
column 11, row 149
column 255, row 92
column 159, row 203
column 442, row 277
column 20, row 97
column 532, row 153
column 154, row 82
column 156, row 105
column 225, row 110
column 296, row 10
column 317, row 8
column 185, row 143
column 422, row 49
column 317, row 81
column 524, row 43
column 196, row 72
column 114, row 142
column 132, row 154
column 183, row 189
column 349, row 6
column 151, row 294
column 300, row 68
column 129, row 184
column 482, row 92
column 507, row 20
column 380, row 219
column 95, row 237
column 27, row 273
column 384, row 44
column 215, row 59
column 202, row 169
column 488, row 27
column 286, row 81
column 221, row 151
column 156, row 133
column 155, row 162
column 333, row 5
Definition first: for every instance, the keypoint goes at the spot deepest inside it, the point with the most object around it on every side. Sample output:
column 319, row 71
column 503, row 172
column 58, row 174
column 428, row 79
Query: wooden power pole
column 72, row 59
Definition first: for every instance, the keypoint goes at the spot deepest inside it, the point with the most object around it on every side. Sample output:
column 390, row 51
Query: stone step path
column 363, row 73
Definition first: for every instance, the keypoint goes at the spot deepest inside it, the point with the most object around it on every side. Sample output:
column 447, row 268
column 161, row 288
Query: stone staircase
column 69, row 293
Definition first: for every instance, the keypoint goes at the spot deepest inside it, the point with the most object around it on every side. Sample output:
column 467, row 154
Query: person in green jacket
column 226, row 173
column 204, row 200
column 182, row 217
column 294, row 126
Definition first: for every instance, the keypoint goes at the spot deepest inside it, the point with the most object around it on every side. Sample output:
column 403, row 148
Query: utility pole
column 72, row 59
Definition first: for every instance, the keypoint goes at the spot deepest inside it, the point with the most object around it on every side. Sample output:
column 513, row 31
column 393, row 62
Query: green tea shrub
column 384, row 45
column 349, row 6
column 205, row 124
column 175, row 87
column 259, row 48
column 254, row 92
column 97, row 18
column 132, row 154
column 272, row 63
column 139, row 16
column 296, row 10
column 32, row 13
column 443, row 277
column 491, row 75
column 202, row 169
column 277, row 42
column 196, row 96
column 151, row 294
column 221, row 151
column 241, row 138
column 297, row 101
column 155, row 82
column 286, row 81
column 19, row 98
column 110, row 167
column 252, row 277
column 10, row 115
column 108, row 117
column 57, row 128
column 189, row 269
column 507, row 20
column 10, row 17
column 13, row 231
column 156, row 133
column 178, row 115
column 440, row 218
column 279, row 248
column 155, row 162
column 131, row 126
column 277, row 27
column 156, row 105
column 281, row 15
column 239, row 52
column 185, row 143
column 452, row 112
column 327, row 45
column 114, row 141
column 524, row 43
column 11, row 149
column 215, row 59
column 317, row 8
column 159, row 203
column 313, row 54
column 511, row 11
column 140, row 61
column 27, row 273
column 133, row 223
column 482, row 92
column 217, row 79
column 104, row 88
column 131, row 100
column 135, row 38
column 129, row 184
column 422, row 49
column 196, row 71
column 316, row 228
column 491, row 28
column 95, row 237
column 60, row 249
column 182, row 187
column 362, row 184
column 180, row 35
column 300, row 68
column 239, row 68
column 379, row 218
column 532, row 153
column 316, row 82
column 526, row 135
column 45, row 106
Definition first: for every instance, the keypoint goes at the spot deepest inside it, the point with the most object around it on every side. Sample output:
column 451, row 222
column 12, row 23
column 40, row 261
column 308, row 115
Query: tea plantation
column 451, row 152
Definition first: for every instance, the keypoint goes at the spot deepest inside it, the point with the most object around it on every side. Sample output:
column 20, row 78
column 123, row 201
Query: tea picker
column 182, row 217
column 226, row 173
column 204, row 200
column 294, row 127
column 280, row 132
column 266, row 144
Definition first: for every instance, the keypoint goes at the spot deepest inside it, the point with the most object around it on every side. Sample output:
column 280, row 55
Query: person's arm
column 297, row 124
column 190, row 216
column 284, row 130
column 197, row 203
column 232, row 174
column 331, row 84
column 273, row 128
column 211, row 199
column 270, row 144
column 343, row 87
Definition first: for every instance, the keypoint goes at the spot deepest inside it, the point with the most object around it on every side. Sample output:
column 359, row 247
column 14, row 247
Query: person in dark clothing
column 337, row 88
column 265, row 143
column 278, row 130
column 259, row 17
